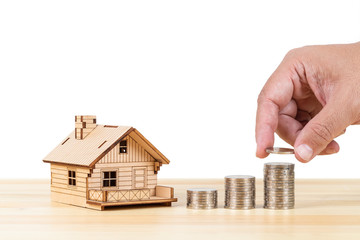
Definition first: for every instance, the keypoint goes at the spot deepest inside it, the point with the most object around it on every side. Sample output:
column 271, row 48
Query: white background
column 186, row 74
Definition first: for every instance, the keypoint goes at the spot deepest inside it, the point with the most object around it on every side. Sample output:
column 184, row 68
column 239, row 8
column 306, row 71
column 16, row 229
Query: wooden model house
column 102, row 165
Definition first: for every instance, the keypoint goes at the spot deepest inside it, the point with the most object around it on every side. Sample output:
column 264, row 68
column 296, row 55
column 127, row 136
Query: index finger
column 275, row 95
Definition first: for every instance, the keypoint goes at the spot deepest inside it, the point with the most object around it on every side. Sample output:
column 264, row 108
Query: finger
column 288, row 129
column 331, row 148
column 319, row 132
column 288, row 126
column 343, row 132
column 303, row 117
column 356, row 123
column 275, row 95
column 290, row 109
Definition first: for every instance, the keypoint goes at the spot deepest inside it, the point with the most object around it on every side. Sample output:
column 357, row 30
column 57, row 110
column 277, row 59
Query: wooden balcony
column 163, row 195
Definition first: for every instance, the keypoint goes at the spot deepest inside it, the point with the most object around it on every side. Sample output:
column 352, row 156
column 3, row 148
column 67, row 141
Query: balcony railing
column 129, row 195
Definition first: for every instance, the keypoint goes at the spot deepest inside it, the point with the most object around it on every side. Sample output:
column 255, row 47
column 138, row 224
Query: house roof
column 93, row 147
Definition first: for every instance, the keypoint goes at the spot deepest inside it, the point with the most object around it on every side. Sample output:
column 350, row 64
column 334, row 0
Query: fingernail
column 305, row 152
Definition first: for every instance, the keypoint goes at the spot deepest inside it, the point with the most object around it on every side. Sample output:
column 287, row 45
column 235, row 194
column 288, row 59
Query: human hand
column 310, row 99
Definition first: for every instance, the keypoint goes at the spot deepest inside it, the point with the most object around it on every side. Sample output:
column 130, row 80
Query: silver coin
column 201, row 208
column 279, row 173
column 279, row 203
column 249, row 184
column 279, row 183
column 246, row 187
column 202, row 203
column 227, row 182
column 239, row 206
column 279, row 208
column 279, row 176
column 239, row 203
column 281, row 170
column 279, row 187
column 240, row 186
column 200, row 195
column 239, row 183
column 240, row 197
column 240, row 177
column 279, row 150
column 231, row 193
column 201, row 190
column 279, row 165
column 279, row 200
column 202, row 200
column 240, row 190
column 280, row 194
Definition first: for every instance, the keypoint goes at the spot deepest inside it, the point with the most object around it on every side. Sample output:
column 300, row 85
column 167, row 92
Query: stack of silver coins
column 239, row 192
column 279, row 185
column 201, row 198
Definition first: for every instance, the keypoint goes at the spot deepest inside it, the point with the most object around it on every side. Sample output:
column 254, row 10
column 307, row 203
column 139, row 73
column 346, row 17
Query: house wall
column 125, row 164
column 136, row 153
column 62, row 192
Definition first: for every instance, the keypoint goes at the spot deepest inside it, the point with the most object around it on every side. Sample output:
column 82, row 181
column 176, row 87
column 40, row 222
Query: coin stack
column 239, row 192
column 201, row 198
column 279, row 185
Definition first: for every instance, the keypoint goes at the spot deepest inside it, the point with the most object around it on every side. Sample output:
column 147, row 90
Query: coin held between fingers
column 279, row 150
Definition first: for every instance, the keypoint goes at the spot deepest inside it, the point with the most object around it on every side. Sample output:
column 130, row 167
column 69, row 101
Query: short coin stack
column 239, row 192
column 279, row 185
column 201, row 198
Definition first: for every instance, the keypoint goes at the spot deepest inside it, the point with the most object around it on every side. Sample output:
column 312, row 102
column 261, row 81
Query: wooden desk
column 325, row 209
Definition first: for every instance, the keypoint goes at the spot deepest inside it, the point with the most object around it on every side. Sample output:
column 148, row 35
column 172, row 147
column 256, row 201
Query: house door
column 139, row 177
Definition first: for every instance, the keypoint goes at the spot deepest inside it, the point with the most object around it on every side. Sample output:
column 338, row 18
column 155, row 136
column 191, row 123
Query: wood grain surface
column 325, row 209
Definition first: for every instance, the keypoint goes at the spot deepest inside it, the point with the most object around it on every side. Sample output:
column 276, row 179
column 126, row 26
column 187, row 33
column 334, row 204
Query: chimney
column 84, row 125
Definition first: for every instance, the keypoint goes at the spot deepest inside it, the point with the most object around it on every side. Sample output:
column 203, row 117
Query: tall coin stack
column 239, row 192
column 201, row 198
column 279, row 185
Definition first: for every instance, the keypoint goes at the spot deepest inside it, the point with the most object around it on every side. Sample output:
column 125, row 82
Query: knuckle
column 299, row 54
column 322, row 132
column 260, row 98
column 292, row 53
column 295, row 52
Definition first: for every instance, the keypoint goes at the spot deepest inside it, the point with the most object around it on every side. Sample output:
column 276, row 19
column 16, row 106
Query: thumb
column 319, row 132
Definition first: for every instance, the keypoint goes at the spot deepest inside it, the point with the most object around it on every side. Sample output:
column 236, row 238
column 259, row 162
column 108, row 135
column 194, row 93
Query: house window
column 109, row 179
column 123, row 146
column 72, row 178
